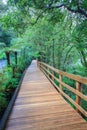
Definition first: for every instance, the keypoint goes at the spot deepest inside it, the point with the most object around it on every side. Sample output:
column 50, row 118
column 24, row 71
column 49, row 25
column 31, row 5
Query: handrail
column 50, row 72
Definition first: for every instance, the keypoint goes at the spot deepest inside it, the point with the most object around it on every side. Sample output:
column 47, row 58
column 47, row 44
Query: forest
column 53, row 30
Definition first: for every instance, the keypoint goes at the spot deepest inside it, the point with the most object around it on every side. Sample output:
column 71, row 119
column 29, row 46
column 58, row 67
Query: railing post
column 37, row 62
column 78, row 99
column 60, row 78
column 48, row 71
column 40, row 66
column 53, row 75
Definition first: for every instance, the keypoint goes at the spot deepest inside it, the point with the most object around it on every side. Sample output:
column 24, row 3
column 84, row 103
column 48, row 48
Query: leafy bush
column 9, row 80
column 3, row 103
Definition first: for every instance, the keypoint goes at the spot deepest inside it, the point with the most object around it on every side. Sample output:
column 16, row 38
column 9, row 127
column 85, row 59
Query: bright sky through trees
column 4, row 1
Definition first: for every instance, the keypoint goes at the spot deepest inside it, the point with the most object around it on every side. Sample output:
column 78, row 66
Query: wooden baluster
column 53, row 75
column 48, row 73
column 78, row 99
column 37, row 62
column 60, row 78
column 40, row 66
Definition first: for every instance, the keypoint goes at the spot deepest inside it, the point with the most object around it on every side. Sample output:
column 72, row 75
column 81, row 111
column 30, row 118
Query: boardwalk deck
column 40, row 107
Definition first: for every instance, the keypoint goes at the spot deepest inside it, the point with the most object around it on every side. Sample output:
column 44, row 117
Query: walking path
column 40, row 107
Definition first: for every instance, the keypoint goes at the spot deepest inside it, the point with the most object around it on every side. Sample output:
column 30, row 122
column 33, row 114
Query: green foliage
column 3, row 103
column 42, row 29
column 5, row 37
column 11, row 76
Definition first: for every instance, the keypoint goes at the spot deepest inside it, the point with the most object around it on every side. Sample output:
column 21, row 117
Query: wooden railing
column 51, row 73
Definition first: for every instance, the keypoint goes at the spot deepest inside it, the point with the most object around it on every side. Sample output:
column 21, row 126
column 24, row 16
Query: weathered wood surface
column 48, row 71
column 40, row 107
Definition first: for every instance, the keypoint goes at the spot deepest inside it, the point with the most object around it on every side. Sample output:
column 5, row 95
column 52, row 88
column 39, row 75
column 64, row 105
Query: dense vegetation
column 10, row 77
column 54, row 30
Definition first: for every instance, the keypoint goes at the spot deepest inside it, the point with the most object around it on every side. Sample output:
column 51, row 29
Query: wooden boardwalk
column 40, row 107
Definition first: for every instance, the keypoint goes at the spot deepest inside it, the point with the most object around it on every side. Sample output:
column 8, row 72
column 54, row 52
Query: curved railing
column 51, row 73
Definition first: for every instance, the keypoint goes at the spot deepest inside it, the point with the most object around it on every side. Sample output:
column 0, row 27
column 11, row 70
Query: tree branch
column 52, row 7
column 78, row 10
column 41, row 13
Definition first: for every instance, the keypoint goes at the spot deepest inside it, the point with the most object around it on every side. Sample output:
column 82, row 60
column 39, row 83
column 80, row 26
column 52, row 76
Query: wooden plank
column 77, row 92
column 67, row 97
column 40, row 107
column 60, row 85
column 71, row 76
column 69, row 87
column 78, row 99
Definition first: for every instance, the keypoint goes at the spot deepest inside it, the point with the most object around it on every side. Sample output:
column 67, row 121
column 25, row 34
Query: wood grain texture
column 77, row 91
column 71, row 76
column 40, row 107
